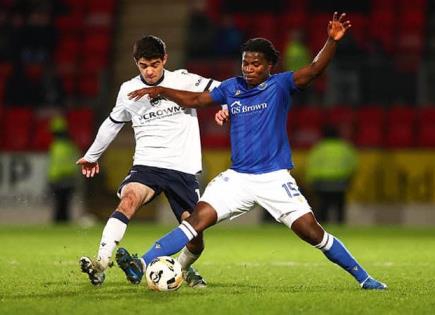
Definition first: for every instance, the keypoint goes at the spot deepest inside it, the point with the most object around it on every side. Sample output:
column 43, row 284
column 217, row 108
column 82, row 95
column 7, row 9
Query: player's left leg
column 308, row 229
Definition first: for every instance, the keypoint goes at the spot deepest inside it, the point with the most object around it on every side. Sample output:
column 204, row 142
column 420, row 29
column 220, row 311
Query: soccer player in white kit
column 167, row 156
column 258, row 103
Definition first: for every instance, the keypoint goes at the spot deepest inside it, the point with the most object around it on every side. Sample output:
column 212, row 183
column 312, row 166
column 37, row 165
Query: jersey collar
column 154, row 84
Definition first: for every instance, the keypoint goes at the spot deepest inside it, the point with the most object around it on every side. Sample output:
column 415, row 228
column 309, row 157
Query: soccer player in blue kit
column 258, row 104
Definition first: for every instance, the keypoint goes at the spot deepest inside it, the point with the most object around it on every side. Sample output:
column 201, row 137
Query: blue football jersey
column 259, row 141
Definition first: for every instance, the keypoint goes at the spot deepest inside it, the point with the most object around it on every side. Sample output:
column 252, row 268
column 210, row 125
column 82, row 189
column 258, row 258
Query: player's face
column 151, row 69
column 255, row 67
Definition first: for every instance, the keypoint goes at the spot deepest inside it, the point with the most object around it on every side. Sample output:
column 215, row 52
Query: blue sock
column 336, row 252
column 171, row 243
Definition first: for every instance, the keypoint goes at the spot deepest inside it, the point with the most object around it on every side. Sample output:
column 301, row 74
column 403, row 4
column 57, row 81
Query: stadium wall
column 390, row 187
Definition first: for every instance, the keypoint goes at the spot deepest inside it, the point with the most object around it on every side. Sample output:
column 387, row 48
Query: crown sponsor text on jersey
column 165, row 112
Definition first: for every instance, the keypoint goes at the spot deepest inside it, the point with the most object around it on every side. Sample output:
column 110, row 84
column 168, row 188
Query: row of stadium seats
column 24, row 130
column 398, row 26
column 371, row 126
column 82, row 48
column 367, row 127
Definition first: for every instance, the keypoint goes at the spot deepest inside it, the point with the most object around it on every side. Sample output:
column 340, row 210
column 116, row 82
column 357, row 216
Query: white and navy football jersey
column 167, row 135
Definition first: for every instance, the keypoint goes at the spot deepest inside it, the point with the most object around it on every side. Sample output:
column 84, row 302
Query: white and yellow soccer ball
column 164, row 274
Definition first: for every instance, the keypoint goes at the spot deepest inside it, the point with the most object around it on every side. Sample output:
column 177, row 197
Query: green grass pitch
column 250, row 270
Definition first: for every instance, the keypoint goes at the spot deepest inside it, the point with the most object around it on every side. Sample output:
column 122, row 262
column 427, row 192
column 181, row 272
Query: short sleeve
column 195, row 82
column 119, row 113
column 218, row 94
column 287, row 81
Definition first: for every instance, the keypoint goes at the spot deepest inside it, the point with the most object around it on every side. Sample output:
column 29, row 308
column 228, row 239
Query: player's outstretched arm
column 183, row 98
column 106, row 133
column 89, row 169
column 336, row 30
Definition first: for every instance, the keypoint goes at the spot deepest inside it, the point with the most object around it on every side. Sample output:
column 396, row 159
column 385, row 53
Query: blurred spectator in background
column 228, row 38
column 200, row 32
column 62, row 169
column 296, row 55
column 296, row 52
column 331, row 164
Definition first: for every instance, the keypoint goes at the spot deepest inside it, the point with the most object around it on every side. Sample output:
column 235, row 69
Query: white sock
column 112, row 234
column 187, row 258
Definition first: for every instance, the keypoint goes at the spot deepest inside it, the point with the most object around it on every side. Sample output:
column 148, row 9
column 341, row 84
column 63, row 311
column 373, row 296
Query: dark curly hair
column 264, row 46
column 149, row 47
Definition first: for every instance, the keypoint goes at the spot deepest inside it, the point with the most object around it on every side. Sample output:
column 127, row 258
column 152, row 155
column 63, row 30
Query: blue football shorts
column 181, row 189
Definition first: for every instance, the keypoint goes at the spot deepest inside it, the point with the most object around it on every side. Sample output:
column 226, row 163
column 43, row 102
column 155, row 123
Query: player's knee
column 307, row 228
column 128, row 205
column 202, row 217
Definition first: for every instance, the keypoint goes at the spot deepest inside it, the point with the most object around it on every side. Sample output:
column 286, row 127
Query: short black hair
column 149, row 47
column 264, row 46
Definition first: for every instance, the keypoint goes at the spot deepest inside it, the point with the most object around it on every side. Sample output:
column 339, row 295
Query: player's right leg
column 133, row 195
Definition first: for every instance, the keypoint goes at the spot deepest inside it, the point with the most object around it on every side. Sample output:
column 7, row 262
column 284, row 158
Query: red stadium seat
column 359, row 29
column 377, row 5
column 102, row 6
column 370, row 126
column 266, row 26
column 81, row 126
column 242, row 21
column 201, row 67
column 426, row 127
column 2, row 89
column 306, row 126
column 382, row 28
column 400, row 127
column 399, row 136
column 212, row 135
column 292, row 20
column 97, row 43
column 411, row 5
column 89, row 85
column 42, row 136
column 342, row 117
column 316, row 31
column 69, row 24
column 17, row 128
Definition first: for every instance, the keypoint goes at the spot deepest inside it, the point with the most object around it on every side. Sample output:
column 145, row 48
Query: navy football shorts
column 181, row 189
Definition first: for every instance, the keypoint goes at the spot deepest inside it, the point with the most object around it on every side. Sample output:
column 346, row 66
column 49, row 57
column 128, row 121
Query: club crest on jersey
column 157, row 100
column 237, row 108
column 262, row 86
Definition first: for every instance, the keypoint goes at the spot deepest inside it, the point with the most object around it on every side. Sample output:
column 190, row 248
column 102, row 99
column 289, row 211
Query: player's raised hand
column 338, row 26
column 137, row 94
column 221, row 117
column 89, row 169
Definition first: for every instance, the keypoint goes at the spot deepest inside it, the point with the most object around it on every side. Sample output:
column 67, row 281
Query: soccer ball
column 164, row 274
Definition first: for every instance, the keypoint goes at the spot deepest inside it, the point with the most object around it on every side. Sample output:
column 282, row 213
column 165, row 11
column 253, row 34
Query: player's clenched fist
column 221, row 117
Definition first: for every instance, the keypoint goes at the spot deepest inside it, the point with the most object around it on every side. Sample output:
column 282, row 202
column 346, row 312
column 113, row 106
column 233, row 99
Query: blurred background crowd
column 68, row 57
